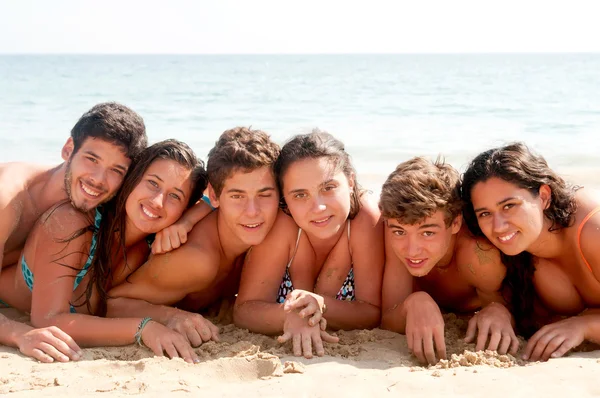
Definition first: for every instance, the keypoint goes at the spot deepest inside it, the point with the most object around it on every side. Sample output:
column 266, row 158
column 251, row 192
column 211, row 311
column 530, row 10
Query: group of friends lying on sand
column 126, row 243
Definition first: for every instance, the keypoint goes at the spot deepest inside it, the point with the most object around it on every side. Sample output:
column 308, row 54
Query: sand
column 364, row 363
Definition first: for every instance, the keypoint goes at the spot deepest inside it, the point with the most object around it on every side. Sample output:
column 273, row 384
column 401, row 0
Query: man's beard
column 68, row 188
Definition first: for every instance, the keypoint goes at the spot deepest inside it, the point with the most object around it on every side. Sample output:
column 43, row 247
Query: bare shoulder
column 62, row 220
column 369, row 215
column 284, row 229
column 477, row 256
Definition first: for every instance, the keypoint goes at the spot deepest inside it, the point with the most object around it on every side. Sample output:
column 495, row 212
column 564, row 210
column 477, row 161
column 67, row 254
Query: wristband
column 138, row 333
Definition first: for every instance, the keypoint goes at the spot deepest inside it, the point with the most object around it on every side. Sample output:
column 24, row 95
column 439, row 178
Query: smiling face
column 317, row 196
column 94, row 173
column 160, row 197
column 248, row 204
column 422, row 246
column 512, row 218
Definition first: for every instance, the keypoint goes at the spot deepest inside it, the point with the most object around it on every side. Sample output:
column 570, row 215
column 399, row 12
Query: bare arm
column 168, row 278
column 9, row 216
column 256, row 308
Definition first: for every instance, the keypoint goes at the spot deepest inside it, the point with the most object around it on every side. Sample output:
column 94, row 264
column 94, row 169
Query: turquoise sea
column 386, row 108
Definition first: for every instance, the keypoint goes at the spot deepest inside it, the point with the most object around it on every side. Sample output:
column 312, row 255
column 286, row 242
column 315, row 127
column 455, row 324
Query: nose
column 252, row 207
column 414, row 247
column 157, row 200
column 98, row 177
column 318, row 204
column 499, row 224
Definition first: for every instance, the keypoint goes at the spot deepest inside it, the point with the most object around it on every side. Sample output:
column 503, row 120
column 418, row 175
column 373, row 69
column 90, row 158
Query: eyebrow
column 237, row 190
column 95, row 155
column 306, row 189
column 430, row 226
column 497, row 204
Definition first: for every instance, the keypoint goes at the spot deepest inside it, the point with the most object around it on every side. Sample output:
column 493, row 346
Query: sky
column 307, row 26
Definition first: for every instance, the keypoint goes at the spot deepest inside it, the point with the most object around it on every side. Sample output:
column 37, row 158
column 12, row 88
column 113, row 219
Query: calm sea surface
column 386, row 108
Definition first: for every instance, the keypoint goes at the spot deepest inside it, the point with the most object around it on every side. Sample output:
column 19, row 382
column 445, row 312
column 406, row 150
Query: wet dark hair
column 113, row 213
column 114, row 123
column 315, row 145
column 517, row 164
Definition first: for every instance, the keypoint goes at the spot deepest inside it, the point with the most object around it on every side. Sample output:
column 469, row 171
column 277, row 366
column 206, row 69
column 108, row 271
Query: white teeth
column 88, row 190
column 416, row 261
column 148, row 213
column 507, row 237
column 321, row 221
column 251, row 225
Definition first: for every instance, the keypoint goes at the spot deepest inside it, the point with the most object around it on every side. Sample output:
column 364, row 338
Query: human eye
column 92, row 159
column 428, row 234
column 398, row 232
column 175, row 196
column 329, row 187
column 236, row 196
column 483, row 214
column 118, row 171
column 508, row 206
column 299, row 195
column 152, row 183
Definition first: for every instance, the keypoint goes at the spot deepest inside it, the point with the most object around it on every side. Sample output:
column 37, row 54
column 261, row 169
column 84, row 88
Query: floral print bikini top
column 346, row 292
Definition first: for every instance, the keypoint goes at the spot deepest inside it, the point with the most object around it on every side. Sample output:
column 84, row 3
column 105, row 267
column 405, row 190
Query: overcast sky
column 306, row 26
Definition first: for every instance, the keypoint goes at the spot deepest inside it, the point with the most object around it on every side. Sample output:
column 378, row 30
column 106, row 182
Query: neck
column 132, row 234
column 49, row 187
column 326, row 245
column 449, row 256
column 548, row 244
column 231, row 245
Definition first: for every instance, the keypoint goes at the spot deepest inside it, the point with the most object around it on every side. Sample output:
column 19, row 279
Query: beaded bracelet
column 138, row 333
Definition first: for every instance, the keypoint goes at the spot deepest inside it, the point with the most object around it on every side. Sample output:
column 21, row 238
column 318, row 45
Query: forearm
column 93, row 331
column 348, row 315
column 260, row 317
column 123, row 307
column 10, row 330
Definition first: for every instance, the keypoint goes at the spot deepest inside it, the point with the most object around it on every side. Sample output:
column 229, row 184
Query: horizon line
column 307, row 53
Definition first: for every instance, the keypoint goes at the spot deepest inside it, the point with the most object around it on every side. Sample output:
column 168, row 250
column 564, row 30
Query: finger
column 318, row 344
column 182, row 236
column 292, row 303
column 315, row 318
column 40, row 356
column 52, row 351
column 166, row 244
column 204, row 332
column 308, row 310
column 484, row 330
column 214, row 331
column 428, row 348
column 531, row 344
column 170, row 349
column 552, row 346
column 156, row 245
column 514, row 345
column 495, row 338
column 328, row 338
column 418, row 348
column 194, row 338
column 284, row 337
column 186, row 351
column 505, row 344
column 471, row 329
column 307, row 346
column 409, row 339
column 323, row 323
column 297, row 345
column 540, row 347
column 440, row 343
column 563, row 349
column 68, row 340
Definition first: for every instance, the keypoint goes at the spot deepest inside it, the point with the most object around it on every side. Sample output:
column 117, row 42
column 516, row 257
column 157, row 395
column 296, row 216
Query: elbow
column 39, row 320
column 239, row 316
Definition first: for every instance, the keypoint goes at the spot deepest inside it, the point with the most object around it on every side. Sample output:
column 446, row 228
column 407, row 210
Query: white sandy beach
column 363, row 363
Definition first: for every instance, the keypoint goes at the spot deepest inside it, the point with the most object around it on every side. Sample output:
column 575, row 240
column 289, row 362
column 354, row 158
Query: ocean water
column 386, row 108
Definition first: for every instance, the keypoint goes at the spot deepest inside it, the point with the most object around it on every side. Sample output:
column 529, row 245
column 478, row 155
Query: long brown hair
column 517, row 164
column 109, row 237
column 315, row 145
